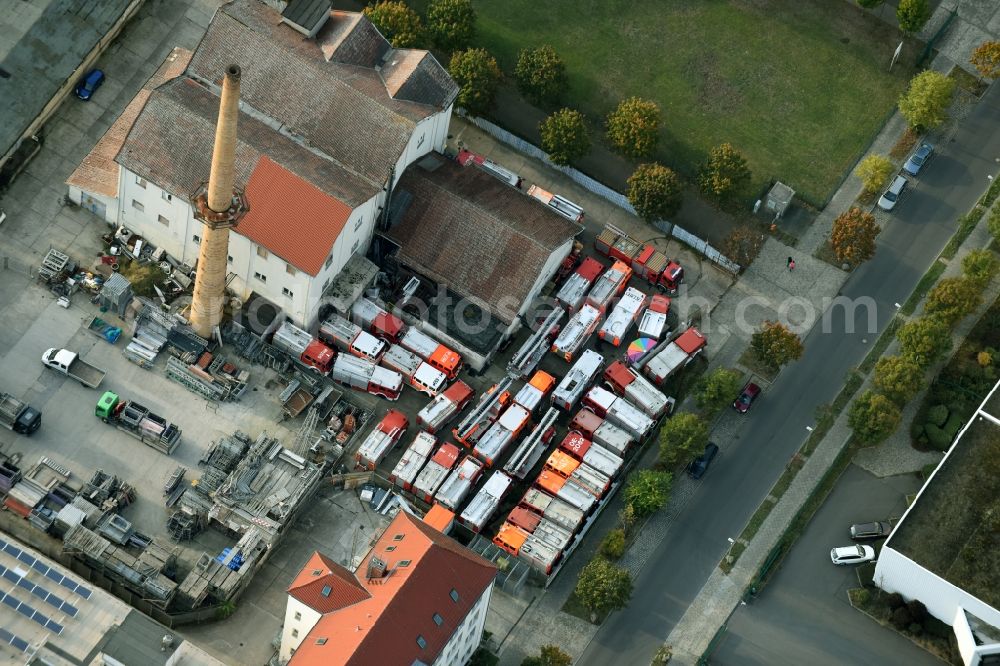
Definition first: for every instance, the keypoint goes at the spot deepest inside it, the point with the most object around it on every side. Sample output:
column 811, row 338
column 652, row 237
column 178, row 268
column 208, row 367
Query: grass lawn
column 799, row 86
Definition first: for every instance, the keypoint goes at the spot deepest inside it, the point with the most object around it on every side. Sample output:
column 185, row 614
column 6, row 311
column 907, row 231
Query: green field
column 799, row 86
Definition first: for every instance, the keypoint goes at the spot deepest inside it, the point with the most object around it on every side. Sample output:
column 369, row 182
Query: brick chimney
column 219, row 206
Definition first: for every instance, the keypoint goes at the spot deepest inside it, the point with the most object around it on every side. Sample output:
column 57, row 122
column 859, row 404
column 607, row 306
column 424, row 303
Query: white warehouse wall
column 294, row 631
column 467, row 636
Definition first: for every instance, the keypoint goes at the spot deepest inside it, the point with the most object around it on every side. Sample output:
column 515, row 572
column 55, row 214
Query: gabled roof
column 98, row 172
column 325, row 586
column 428, row 573
column 352, row 39
column 483, row 238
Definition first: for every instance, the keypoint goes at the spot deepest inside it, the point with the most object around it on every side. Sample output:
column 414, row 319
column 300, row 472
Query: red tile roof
column 383, row 629
column 291, row 217
column 325, row 586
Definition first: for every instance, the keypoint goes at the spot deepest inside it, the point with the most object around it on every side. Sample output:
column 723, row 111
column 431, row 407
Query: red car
column 746, row 398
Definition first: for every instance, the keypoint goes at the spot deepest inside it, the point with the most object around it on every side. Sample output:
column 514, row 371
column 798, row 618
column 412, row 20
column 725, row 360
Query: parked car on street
column 877, row 530
column 918, row 159
column 746, row 398
column 891, row 196
column 89, row 84
column 852, row 555
column 697, row 467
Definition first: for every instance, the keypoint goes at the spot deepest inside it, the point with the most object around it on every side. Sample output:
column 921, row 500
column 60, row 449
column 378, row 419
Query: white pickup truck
column 71, row 365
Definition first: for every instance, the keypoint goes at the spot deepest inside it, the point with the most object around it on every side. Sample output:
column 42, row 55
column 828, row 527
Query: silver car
column 891, row 196
column 852, row 555
column 918, row 159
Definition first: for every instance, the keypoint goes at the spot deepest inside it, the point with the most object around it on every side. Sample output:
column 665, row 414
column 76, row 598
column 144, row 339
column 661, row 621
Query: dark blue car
column 89, row 84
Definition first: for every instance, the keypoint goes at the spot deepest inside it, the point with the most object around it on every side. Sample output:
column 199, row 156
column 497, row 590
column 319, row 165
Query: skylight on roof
column 454, row 595
column 317, row 572
column 320, row 641
column 398, row 537
column 438, row 620
column 421, row 642
column 326, row 590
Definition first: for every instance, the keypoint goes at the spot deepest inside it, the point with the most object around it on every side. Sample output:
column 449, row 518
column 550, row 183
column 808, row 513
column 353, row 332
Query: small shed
column 116, row 294
column 779, row 198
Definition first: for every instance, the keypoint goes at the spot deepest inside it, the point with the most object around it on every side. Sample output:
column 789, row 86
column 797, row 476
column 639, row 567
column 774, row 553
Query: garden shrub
column 613, row 545
column 901, row 618
column 936, row 437
column 894, row 600
column 918, row 611
column 937, row 415
column 937, row 628
column 915, row 628
column 916, row 430
column 953, row 425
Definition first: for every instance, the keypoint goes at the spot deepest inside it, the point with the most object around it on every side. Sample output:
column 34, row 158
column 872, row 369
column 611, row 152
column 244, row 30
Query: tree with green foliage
column 613, row 544
column 875, row 172
column 647, row 491
column 397, row 23
column 634, row 127
column 655, row 192
column 953, row 298
column 541, row 75
column 924, row 340
column 898, row 378
column 451, row 23
column 913, row 15
column 477, row 74
column 483, row 657
column 853, row 236
column 980, row 266
column 775, row 345
column 993, row 224
column 682, row 437
column 603, row 587
column 564, row 136
column 986, row 59
column 743, row 243
column 873, row 417
column 925, row 103
column 550, row 655
column 717, row 389
column 725, row 175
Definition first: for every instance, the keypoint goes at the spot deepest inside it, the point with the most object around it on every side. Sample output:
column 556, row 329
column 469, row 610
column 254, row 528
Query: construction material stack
column 576, row 286
column 132, row 418
column 417, row 372
column 458, row 484
column 624, row 314
column 675, row 355
column 435, row 471
column 413, row 460
column 445, row 406
column 576, row 333
column 485, row 502
column 381, row 439
column 363, row 375
column 579, row 378
column 626, row 382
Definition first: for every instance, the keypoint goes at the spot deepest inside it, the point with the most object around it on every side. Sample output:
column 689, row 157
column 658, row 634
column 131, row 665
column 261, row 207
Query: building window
column 138, row 206
column 166, row 196
column 260, row 276
column 329, row 260
column 295, row 633
column 298, row 615
column 454, row 595
column 354, row 248
column 141, row 182
column 261, row 252
column 229, row 258
column 421, row 642
column 357, row 225
column 285, row 291
column 438, row 620
column 291, row 270
column 196, row 238
column 162, row 220
column 326, row 284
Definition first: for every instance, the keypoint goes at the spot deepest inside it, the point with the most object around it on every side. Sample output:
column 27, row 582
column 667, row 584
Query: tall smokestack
column 219, row 206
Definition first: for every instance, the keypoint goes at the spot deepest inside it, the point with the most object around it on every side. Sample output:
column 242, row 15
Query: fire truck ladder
column 524, row 362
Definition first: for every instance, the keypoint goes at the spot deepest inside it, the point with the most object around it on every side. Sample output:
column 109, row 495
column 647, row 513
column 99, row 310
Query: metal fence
column 602, row 190
column 12, row 264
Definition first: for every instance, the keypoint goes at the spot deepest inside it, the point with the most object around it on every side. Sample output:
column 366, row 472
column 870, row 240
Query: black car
column 697, row 467
column 876, row 530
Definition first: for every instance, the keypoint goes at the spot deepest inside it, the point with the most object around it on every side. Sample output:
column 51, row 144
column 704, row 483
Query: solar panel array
column 39, row 591
column 44, row 569
column 31, row 613
column 7, row 638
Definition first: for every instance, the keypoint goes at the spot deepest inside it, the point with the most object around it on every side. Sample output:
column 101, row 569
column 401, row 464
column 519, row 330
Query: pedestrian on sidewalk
column 791, row 264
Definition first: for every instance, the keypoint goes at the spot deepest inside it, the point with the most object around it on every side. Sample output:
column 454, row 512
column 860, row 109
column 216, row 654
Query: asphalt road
column 803, row 616
column 776, row 426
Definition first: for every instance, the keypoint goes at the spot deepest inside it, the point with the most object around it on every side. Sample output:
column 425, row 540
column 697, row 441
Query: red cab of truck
column 654, row 267
column 318, row 356
column 387, row 327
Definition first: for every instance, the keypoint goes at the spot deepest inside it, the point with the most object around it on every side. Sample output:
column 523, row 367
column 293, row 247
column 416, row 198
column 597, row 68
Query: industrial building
column 944, row 550
column 417, row 597
column 50, row 616
column 330, row 117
